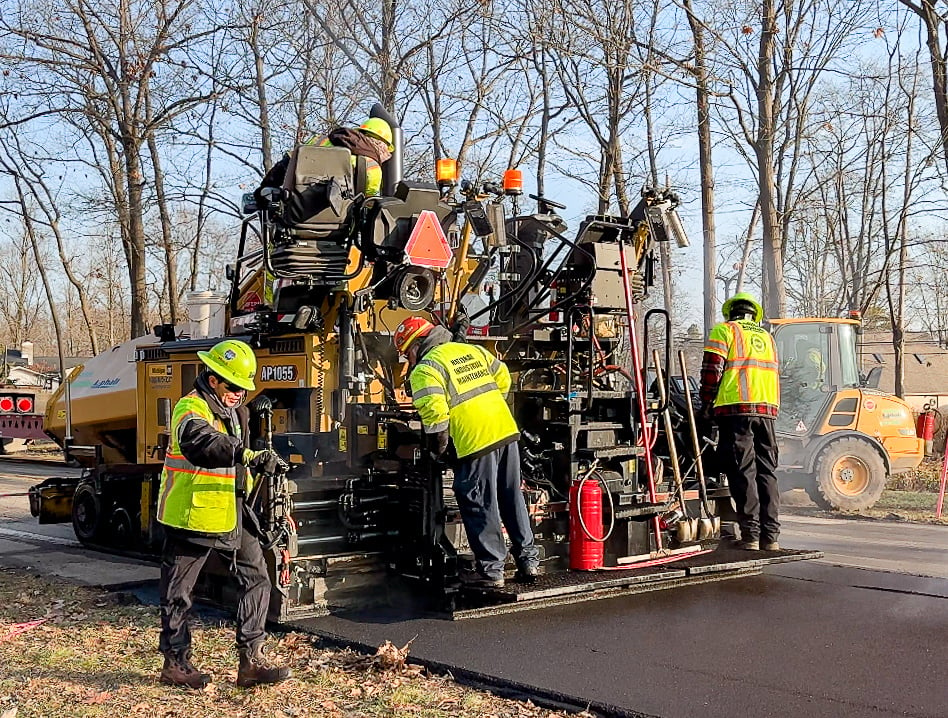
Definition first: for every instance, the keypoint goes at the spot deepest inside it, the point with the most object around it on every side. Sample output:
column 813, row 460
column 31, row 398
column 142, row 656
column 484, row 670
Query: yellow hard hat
column 379, row 128
column 743, row 298
column 233, row 361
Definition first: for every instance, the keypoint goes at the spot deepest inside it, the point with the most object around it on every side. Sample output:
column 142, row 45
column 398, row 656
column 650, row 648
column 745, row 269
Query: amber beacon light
column 513, row 182
column 446, row 172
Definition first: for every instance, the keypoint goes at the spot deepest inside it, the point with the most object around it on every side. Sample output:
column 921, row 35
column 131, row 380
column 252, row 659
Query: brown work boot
column 254, row 669
column 178, row 671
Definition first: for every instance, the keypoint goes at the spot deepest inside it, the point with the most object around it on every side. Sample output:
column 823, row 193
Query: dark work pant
column 181, row 562
column 747, row 450
column 488, row 493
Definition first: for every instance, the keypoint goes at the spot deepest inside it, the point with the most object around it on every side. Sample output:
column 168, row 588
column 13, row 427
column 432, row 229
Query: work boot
column 748, row 545
column 527, row 573
column 178, row 671
column 476, row 579
column 769, row 546
column 254, row 669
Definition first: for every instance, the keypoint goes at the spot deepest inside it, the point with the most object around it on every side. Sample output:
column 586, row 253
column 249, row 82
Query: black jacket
column 203, row 445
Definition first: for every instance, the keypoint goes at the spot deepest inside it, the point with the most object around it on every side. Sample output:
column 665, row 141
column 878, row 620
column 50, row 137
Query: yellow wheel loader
column 839, row 437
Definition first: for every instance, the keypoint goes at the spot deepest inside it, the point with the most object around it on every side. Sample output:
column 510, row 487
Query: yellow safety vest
column 373, row 171
column 751, row 373
column 462, row 388
column 193, row 497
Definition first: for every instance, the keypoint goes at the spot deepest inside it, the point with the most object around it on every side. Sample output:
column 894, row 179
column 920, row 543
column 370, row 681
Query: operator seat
column 317, row 217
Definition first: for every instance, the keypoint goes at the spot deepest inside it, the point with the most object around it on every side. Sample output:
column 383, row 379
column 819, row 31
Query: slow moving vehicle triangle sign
column 428, row 246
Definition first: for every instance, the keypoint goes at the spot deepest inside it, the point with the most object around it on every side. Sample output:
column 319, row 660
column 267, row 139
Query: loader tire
column 87, row 519
column 850, row 475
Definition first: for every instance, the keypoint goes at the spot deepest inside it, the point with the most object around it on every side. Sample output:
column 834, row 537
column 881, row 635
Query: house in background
column 926, row 367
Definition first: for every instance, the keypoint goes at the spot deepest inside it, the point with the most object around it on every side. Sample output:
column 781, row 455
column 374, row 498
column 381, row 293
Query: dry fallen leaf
column 10, row 713
column 389, row 657
column 98, row 698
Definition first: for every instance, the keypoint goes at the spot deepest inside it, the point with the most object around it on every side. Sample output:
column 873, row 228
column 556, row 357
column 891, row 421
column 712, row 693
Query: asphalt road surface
column 862, row 632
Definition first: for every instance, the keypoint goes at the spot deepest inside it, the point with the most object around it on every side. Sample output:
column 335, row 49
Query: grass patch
column 896, row 505
column 96, row 655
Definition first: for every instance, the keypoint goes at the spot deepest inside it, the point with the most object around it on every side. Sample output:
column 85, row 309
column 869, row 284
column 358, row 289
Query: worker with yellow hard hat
column 373, row 140
column 740, row 391
column 208, row 471
column 460, row 391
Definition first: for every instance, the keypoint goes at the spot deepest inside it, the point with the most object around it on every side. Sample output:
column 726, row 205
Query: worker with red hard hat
column 460, row 391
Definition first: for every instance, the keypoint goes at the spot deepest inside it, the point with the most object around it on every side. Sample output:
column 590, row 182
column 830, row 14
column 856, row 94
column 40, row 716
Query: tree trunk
column 706, row 171
column 933, row 22
column 774, row 297
column 135, row 240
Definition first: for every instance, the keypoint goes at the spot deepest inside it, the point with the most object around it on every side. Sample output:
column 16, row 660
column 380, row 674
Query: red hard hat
column 409, row 330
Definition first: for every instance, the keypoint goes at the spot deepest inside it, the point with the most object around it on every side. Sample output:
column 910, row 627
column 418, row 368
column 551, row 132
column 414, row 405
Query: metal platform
column 564, row 587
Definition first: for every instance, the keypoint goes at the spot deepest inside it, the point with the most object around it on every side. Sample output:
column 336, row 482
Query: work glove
column 266, row 461
column 460, row 325
column 438, row 443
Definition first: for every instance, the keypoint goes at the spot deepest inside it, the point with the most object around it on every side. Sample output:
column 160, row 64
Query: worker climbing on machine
column 373, row 140
column 207, row 473
column 740, row 391
column 460, row 391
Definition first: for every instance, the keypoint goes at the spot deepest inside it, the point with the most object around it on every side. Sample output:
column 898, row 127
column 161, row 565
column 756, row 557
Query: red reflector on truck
column 24, row 404
column 6, row 403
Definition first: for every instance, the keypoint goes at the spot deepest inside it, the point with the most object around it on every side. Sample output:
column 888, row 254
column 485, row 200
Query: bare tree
column 40, row 199
column 774, row 54
column 21, row 301
column 599, row 72
column 699, row 71
column 935, row 24
column 91, row 65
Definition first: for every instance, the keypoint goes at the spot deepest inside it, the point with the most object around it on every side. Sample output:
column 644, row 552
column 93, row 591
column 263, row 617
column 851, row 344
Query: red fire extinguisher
column 586, row 534
column 925, row 427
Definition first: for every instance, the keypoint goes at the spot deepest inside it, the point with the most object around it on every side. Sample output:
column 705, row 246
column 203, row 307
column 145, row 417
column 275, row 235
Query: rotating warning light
column 446, row 172
column 513, row 181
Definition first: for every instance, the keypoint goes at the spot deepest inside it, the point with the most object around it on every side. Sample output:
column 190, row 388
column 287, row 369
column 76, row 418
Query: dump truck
column 321, row 278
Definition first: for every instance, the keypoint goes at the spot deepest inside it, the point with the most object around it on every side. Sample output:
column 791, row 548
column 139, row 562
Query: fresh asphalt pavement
column 861, row 632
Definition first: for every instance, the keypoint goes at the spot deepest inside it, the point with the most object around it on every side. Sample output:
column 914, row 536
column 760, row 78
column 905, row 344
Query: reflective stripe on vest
column 454, row 388
column 751, row 374
column 193, row 497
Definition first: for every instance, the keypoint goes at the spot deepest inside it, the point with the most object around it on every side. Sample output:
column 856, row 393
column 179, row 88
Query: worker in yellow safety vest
column 207, row 473
column 460, row 391
column 740, row 392
column 372, row 140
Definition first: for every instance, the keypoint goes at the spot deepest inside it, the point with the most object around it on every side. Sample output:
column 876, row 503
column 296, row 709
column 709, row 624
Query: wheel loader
column 321, row 278
column 839, row 437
